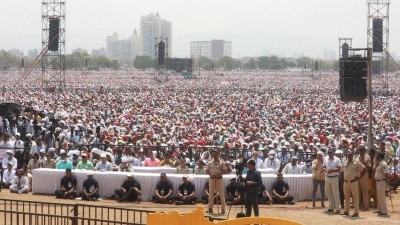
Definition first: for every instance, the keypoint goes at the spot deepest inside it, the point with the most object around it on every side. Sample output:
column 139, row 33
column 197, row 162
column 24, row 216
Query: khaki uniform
column 216, row 169
column 364, row 181
column 381, row 186
column 351, row 171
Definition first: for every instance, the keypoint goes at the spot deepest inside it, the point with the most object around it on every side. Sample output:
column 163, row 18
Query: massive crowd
column 118, row 119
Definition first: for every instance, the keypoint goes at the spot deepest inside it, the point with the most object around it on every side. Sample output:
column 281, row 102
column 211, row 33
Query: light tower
column 378, row 39
column 53, row 43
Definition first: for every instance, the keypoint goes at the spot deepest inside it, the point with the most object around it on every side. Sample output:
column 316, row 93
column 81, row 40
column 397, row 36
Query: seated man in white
column 20, row 183
column 293, row 167
column 272, row 162
column 8, row 175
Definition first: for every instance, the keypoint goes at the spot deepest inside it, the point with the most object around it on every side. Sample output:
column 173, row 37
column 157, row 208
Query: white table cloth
column 46, row 181
column 171, row 170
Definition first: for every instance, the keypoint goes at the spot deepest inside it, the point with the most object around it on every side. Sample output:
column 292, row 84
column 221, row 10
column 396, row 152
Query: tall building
column 214, row 49
column 329, row 54
column 152, row 27
column 99, row 52
column 122, row 50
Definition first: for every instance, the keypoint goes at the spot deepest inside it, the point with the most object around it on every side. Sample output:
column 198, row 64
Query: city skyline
column 284, row 28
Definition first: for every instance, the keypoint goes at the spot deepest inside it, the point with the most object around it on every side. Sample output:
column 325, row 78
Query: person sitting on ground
column 234, row 192
column 182, row 167
column 63, row 163
column 186, row 192
column 130, row 190
column 84, row 164
column 67, row 186
column 90, row 188
column 103, row 165
column 8, row 175
column 164, row 190
column 199, row 169
column 125, row 166
column 264, row 197
column 280, row 191
column 293, row 167
column 204, row 198
column 20, row 183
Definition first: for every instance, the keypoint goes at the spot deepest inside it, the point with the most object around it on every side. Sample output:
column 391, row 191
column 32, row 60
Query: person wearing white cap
column 18, row 143
column 125, row 166
column 293, row 167
column 272, row 162
column 63, row 163
column 8, row 175
column 9, row 158
column 103, row 165
column 318, row 178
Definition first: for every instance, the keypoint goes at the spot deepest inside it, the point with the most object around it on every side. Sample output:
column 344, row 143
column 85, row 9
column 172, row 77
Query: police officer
column 216, row 168
column 353, row 171
column 364, row 181
column 382, row 178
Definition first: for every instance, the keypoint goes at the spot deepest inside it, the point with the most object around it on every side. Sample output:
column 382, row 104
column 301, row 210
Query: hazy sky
column 283, row 27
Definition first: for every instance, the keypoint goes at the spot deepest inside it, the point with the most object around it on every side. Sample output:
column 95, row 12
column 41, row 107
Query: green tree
column 251, row 64
column 144, row 62
column 226, row 62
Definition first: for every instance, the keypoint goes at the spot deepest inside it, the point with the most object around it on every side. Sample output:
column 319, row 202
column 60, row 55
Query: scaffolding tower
column 53, row 44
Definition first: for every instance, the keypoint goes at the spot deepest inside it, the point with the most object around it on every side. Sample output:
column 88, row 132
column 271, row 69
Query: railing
column 43, row 213
column 16, row 212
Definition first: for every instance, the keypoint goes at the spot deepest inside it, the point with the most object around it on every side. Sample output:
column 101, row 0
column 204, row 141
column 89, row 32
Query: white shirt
column 272, row 164
column 6, row 160
column 259, row 163
column 23, row 182
column 332, row 164
column 290, row 169
column 19, row 146
column 8, row 176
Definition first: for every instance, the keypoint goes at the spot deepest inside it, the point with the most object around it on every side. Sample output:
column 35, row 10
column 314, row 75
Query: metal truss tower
column 53, row 44
column 378, row 13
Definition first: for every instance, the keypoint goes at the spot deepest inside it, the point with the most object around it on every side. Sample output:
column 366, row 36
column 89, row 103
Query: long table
column 171, row 170
column 46, row 181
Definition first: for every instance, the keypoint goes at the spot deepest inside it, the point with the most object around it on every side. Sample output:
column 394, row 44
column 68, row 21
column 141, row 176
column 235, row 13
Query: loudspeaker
column 377, row 34
column 353, row 89
column 345, row 50
column 354, row 67
column 54, row 30
column 161, row 53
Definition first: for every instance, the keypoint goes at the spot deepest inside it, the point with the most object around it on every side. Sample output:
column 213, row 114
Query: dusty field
column 300, row 212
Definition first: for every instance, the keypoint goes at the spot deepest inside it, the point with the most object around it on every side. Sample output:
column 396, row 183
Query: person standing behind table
column 332, row 165
column 318, row 178
column 353, row 171
column 216, row 168
column 364, row 181
column 382, row 178
column 84, row 164
column 272, row 162
column 103, row 165
column 67, row 186
column 252, row 188
column 90, row 188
